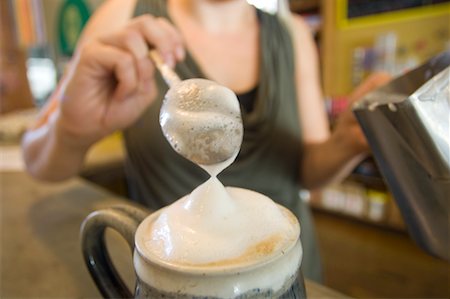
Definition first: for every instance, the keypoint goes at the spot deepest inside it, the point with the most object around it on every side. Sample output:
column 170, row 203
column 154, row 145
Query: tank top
column 269, row 159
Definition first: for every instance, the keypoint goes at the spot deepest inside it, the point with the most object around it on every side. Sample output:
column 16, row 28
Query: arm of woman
column 107, row 86
column 326, row 156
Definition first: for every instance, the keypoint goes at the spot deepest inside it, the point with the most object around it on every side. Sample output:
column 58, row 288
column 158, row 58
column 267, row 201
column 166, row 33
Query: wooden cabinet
column 15, row 92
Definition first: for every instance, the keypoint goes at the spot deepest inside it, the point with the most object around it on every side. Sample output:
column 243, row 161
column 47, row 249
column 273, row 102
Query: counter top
column 40, row 251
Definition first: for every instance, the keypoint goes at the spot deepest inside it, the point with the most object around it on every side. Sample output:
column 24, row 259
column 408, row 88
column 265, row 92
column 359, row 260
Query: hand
column 346, row 125
column 112, row 79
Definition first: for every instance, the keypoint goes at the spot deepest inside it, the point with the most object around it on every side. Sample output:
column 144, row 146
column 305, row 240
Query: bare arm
column 327, row 156
column 106, row 88
column 50, row 153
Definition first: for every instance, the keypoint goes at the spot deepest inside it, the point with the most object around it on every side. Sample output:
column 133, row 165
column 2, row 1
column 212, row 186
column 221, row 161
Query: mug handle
column 122, row 218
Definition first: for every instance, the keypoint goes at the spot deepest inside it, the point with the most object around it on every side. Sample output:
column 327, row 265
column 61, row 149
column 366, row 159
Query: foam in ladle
column 202, row 121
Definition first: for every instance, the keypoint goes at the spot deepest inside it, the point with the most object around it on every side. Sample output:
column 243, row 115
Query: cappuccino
column 220, row 237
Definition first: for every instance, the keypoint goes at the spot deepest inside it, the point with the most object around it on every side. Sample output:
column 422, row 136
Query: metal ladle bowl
column 200, row 119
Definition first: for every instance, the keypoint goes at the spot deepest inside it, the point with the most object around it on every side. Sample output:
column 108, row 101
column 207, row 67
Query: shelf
column 304, row 6
column 355, row 200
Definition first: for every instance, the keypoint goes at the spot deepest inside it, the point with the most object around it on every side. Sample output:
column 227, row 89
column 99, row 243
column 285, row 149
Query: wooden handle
column 167, row 73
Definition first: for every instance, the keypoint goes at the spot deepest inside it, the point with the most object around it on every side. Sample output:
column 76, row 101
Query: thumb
column 103, row 61
column 372, row 82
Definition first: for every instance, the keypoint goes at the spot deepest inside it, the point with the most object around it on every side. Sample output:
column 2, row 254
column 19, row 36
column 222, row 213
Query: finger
column 157, row 35
column 133, row 42
column 374, row 81
column 128, row 40
column 176, row 37
column 146, row 70
column 103, row 61
column 127, row 77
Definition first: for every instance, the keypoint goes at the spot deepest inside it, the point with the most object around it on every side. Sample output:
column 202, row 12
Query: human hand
column 347, row 125
column 112, row 80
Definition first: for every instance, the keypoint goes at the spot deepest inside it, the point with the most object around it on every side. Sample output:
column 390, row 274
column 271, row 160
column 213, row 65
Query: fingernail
column 179, row 52
column 170, row 60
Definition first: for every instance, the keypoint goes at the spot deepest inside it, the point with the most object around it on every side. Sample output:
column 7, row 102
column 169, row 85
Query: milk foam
column 202, row 120
column 220, row 226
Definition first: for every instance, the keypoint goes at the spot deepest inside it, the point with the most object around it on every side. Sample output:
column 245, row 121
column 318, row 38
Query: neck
column 214, row 16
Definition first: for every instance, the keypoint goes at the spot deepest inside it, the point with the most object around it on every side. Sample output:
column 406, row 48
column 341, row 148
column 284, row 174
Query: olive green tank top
column 270, row 154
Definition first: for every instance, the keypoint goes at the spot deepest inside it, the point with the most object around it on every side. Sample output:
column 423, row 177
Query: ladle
column 200, row 118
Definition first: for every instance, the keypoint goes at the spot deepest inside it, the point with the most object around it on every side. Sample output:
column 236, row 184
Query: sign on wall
column 72, row 17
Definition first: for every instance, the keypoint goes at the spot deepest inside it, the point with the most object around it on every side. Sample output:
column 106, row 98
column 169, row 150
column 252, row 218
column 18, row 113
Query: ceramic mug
column 278, row 276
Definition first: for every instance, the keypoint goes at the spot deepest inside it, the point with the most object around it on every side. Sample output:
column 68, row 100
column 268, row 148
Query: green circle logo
column 73, row 15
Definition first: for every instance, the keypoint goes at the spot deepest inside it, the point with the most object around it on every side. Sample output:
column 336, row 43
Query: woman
column 112, row 85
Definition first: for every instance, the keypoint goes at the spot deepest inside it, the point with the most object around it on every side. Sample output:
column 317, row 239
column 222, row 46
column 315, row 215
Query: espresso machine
column 407, row 125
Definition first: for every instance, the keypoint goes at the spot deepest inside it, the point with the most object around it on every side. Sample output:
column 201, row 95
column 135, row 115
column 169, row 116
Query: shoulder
column 302, row 33
column 304, row 45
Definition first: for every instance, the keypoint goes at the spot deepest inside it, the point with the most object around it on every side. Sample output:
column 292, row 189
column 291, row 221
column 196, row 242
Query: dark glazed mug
column 277, row 277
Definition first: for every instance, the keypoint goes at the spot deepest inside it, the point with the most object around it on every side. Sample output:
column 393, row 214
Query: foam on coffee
column 257, row 257
column 217, row 226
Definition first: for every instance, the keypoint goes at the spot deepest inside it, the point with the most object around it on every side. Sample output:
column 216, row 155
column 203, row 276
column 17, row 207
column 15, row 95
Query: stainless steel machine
column 407, row 124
